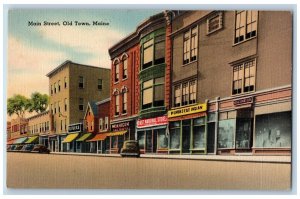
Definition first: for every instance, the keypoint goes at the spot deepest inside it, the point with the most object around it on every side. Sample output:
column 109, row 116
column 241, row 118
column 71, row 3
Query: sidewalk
column 234, row 158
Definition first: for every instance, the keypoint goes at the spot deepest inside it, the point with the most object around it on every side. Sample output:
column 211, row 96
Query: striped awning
column 84, row 137
column 98, row 137
column 70, row 137
column 32, row 140
column 20, row 140
column 116, row 133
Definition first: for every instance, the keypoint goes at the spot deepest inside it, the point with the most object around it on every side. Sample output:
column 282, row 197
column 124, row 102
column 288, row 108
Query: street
column 31, row 170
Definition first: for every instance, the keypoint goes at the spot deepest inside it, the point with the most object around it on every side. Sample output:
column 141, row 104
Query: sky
column 33, row 51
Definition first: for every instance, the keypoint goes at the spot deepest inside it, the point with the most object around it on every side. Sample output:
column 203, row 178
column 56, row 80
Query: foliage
column 18, row 104
column 38, row 102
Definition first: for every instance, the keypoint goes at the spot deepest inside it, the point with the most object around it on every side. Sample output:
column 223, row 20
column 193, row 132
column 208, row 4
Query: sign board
column 143, row 123
column 120, row 126
column 187, row 110
column 75, row 128
column 243, row 101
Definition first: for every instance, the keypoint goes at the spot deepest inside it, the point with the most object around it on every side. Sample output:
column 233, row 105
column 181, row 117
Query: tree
column 38, row 102
column 17, row 104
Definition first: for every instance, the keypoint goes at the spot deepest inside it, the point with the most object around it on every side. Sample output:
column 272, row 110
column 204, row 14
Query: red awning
column 98, row 137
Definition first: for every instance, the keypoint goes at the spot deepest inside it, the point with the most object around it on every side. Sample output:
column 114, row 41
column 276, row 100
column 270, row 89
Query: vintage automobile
column 39, row 148
column 130, row 148
column 27, row 148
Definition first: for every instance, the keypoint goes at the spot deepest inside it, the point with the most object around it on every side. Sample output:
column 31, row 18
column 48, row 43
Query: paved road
column 26, row 170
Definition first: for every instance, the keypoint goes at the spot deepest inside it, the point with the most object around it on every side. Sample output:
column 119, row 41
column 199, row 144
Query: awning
column 116, row 133
column 70, row 137
column 84, row 137
column 11, row 141
column 20, row 140
column 98, row 137
column 32, row 139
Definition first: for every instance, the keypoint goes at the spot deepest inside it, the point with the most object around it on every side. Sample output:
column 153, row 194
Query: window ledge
column 116, row 82
column 242, row 94
column 183, row 65
column 124, row 114
column 235, row 44
column 125, row 78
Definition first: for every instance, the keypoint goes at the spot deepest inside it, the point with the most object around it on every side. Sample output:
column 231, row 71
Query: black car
column 18, row 147
column 130, row 148
column 39, row 148
column 27, row 148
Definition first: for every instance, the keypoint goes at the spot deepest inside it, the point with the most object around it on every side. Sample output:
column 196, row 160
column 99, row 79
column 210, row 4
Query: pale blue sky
column 35, row 50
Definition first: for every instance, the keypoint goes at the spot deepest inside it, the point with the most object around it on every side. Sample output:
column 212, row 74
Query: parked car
column 18, row 147
column 130, row 148
column 39, row 148
column 12, row 148
column 27, row 148
column 8, row 147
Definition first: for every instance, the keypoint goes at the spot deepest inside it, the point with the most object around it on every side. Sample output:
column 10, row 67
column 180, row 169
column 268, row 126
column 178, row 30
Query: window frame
column 187, row 41
column 100, row 85
column 125, row 69
column 189, row 93
column 117, row 105
column 153, row 86
column 124, row 103
column 81, row 84
column 79, row 104
column 218, row 15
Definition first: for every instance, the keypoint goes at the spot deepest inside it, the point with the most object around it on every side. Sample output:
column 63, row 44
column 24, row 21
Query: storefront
column 69, row 141
column 188, row 130
column 43, row 139
column 98, row 140
column 53, row 143
column 81, row 145
column 152, row 135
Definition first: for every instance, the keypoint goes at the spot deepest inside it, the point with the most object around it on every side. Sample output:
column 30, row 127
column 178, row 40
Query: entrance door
column 186, row 136
column 211, row 137
column 149, row 141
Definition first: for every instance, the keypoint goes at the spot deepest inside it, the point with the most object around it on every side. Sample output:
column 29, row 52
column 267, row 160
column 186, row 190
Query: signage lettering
column 163, row 120
column 187, row 110
column 120, row 126
column 239, row 102
column 75, row 128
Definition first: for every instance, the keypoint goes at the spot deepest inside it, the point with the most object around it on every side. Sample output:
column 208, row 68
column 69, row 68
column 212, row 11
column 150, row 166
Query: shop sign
column 163, row 120
column 120, row 126
column 187, row 110
column 243, row 101
column 75, row 128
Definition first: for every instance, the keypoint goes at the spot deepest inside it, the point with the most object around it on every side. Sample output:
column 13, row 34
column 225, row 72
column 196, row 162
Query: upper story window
column 81, row 104
column 100, row 124
column 54, row 87
column 117, row 105
column 185, row 93
column 244, row 77
column 117, row 71
column 106, row 123
column 66, row 104
column 190, row 45
column 51, row 90
column 214, row 23
column 153, row 93
column 99, row 84
column 58, row 85
column 153, row 51
column 245, row 25
column 81, row 82
column 125, row 68
column 124, row 103
column 65, row 82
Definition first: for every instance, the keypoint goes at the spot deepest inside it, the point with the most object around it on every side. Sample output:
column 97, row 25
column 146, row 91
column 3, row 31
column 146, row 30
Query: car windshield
column 130, row 144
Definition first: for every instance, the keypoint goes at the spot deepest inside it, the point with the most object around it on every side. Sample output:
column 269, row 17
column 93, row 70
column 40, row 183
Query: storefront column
column 217, row 124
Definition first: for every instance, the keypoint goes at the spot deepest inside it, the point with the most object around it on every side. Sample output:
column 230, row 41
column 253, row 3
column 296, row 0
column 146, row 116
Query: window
column 153, row 93
column 244, row 77
column 117, row 72
column 190, row 45
column 55, row 108
column 185, row 93
column 124, row 103
column 61, row 125
column 58, row 104
column 54, row 87
column 58, row 85
column 214, row 23
column 245, row 25
column 117, row 105
column 125, row 71
column 51, row 90
column 65, row 82
column 106, row 123
column 99, row 84
column 81, row 82
column 100, row 124
column 65, row 124
column 81, row 104
column 175, row 135
column 51, row 109
column 66, row 104
column 153, row 51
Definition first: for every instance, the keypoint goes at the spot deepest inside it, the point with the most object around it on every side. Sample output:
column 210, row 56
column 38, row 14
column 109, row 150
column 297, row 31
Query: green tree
column 38, row 102
column 18, row 104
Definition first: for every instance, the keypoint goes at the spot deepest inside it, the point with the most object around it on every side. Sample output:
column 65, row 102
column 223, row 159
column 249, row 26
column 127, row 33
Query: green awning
column 32, row 140
column 20, row 140
column 84, row 137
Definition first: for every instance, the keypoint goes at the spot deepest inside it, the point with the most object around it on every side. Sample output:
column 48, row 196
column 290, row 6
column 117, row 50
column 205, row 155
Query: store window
column 175, row 135
column 226, row 130
column 244, row 129
column 162, row 139
column 153, row 51
column 153, row 93
column 190, row 45
column 273, row 130
column 199, row 141
column 244, row 77
column 245, row 25
column 81, row 82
